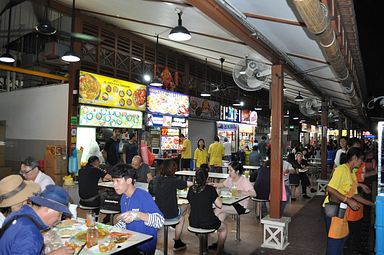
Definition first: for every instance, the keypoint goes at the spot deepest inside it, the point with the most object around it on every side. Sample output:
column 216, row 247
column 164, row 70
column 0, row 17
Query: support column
column 276, row 140
column 324, row 140
column 275, row 234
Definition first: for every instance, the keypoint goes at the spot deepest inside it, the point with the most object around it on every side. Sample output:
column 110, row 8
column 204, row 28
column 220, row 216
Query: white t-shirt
column 286, row 167
column 2, row 218
column 43, row 180
column 337, row 157
column 227, row 149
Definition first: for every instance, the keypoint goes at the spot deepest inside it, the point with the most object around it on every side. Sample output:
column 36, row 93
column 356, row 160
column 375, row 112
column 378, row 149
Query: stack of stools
column 258, row 203
column 203, row 237
column 167, row 224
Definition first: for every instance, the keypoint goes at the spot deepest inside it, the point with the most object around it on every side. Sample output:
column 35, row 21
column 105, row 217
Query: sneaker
column 179, row 245
column 305, row 196
column 213, row 246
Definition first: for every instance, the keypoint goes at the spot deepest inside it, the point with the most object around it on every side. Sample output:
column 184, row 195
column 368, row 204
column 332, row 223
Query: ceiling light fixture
column 299, row 98
column 284, row 89
column 156, row 82
column 7, row 57
column 45, row 26
column 286, row 115
column 70, row 56
column 179, row 33
column 146, row 77
column 241, row 103
column 258, row 108
column 295, row 118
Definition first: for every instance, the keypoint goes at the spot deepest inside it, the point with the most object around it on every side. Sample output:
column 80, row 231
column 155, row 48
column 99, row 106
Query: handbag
column 331, row 209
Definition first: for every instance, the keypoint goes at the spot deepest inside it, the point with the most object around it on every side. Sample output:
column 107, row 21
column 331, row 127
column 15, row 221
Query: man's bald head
column 136, row 162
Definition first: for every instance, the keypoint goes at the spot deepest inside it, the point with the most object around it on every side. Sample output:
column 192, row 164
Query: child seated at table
column 201, row 197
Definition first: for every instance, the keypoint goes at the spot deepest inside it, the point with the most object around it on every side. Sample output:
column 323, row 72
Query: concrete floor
column 251, row 234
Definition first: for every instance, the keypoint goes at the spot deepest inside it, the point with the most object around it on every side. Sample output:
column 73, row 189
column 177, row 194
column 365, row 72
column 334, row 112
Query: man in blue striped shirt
column 139, row 212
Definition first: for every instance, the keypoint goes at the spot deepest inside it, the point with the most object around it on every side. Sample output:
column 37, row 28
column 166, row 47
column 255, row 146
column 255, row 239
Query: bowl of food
column 89, row 87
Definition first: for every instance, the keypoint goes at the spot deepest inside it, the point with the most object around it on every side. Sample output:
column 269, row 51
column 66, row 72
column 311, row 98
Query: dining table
column 71, row 233
column 210, row 174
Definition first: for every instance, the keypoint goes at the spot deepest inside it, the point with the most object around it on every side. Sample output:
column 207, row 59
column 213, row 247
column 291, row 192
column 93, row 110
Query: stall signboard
column 166, row 102
column 249, row 117
column 165, row 121
column 226, row 126
column 228, row 113
column 106, row 91
column 109, row 117
column 204, row 108
column 244, row 128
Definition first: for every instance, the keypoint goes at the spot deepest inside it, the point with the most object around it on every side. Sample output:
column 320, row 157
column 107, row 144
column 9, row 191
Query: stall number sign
column 169, row 132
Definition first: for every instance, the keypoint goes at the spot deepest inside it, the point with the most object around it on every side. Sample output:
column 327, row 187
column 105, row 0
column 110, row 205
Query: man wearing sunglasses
column 30, row 171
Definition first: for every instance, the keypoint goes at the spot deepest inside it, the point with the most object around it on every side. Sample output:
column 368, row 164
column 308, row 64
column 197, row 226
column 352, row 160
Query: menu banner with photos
column 204, row 108
column 106, row 91
column 249, row 117
column 109, row 117
column 228, row 113
column 167, row 102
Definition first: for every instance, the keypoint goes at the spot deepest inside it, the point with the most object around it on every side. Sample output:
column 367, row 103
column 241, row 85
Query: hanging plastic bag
column 146, row 155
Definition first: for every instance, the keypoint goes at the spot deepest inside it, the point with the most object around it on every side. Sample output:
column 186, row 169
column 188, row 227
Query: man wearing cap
column 14, row 193
column 20, row 233
column 139, row 212
column 30, row 171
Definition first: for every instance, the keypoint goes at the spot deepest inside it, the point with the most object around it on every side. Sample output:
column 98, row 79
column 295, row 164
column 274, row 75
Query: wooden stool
column 258, row 202
column 167, row 224
column 203, row 237
column 111, row 213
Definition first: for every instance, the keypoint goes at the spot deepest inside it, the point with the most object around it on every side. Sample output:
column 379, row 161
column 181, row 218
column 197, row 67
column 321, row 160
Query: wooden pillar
column 324, row 141
column 276, row 140
column 340, row 127
column 73, row 73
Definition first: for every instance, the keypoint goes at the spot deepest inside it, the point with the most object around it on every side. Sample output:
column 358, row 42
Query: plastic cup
column 73, row 209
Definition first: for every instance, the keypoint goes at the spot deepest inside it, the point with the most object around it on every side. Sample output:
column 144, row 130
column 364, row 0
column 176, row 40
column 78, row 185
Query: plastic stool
column 258, row 201
column 109, row 212
column 167, row 224
column 203, row 237
column 237, row 217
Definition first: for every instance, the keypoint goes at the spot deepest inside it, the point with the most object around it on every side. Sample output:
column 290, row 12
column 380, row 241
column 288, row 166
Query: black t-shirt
column 130, row 150
column 166, row 195
column 201, row 214
column 112, row 149
column 88, row 179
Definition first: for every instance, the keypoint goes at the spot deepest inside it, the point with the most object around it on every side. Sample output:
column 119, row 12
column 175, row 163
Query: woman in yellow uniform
column 201, row 154
column 342, row 189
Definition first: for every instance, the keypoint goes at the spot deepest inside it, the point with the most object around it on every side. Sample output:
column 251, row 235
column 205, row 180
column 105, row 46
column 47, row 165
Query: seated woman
column 243, row 185
column 301, row 167
column 166, row 186
column 201, row 197
column 88, row 180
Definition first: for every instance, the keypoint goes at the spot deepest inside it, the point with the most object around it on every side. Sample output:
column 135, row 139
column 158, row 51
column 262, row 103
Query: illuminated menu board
column 106, row 91
column 109, row 117
column 228, row 113
column 167, row 102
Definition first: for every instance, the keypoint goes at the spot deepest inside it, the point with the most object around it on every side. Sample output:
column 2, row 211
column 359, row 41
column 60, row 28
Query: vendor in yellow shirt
column 342, row 188
column 201, row 154
column 186, row 152
column 216, row 153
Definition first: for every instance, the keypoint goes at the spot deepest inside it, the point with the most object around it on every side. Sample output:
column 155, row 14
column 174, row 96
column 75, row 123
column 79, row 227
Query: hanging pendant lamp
column 179, row 33
column 299, row 98
column 206, row 92
column 45, row 26
column 7, row 57
column 70, row 56
column 156, row 82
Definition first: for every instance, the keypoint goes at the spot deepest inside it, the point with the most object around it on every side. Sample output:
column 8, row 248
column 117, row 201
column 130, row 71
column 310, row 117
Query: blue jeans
column 334, row 246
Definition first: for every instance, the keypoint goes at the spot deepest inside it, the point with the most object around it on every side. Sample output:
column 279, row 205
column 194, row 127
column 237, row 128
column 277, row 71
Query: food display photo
column 105, row 91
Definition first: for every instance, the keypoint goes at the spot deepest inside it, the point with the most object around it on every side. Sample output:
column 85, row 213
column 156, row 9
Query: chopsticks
column 82, row 247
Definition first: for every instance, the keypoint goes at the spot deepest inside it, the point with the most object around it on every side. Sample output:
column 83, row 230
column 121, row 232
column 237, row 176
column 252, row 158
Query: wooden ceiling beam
column 273, row 19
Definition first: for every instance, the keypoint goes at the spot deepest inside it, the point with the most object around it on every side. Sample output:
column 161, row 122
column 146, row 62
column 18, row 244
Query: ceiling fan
column 40, row 9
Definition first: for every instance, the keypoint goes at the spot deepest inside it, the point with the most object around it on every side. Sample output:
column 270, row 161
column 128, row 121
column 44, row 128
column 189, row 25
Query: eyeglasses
column 25, row 172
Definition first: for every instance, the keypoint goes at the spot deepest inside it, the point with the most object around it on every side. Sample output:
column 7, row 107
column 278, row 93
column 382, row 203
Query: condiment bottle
column 92, row 234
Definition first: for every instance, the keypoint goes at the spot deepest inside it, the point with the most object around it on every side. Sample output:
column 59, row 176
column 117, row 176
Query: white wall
column 39, row 113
